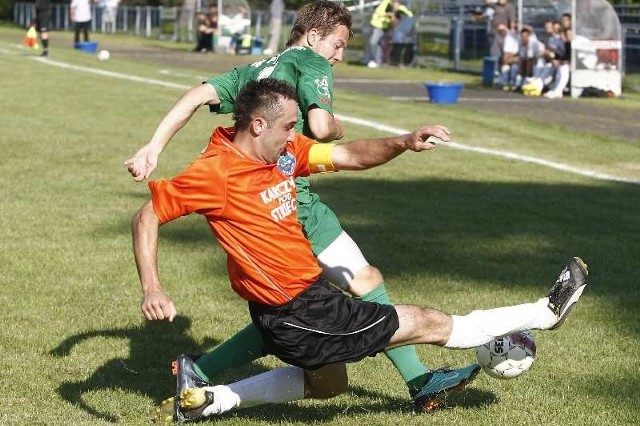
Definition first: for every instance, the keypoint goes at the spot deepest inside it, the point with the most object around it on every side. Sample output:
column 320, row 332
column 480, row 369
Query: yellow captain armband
column 320, row 158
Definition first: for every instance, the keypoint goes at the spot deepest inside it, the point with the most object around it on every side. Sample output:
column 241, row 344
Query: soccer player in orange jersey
column 243, row 184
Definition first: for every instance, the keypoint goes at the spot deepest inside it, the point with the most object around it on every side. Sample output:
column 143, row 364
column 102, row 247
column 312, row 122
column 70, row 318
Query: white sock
column 480, row 327
column 562, row 76
column 275, row 386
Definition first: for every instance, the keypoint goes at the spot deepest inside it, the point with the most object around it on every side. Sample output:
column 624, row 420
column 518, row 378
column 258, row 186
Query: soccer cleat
column 186, row 376
column 188, row 406
column 567, row 289
column 441, row 384
column 166, row 413
column 193, row 402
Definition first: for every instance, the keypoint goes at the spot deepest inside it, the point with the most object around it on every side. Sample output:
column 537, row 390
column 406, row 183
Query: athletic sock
column 404, row 358
column 272, row 387
column 480, row 327
column 243, row 347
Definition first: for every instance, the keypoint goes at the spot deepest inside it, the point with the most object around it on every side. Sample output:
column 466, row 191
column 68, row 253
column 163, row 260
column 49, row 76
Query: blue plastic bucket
column 444, row 93
column 87, row 46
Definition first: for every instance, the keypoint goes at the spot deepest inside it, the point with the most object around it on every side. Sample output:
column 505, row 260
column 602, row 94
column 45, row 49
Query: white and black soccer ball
column 104, row 55
column 508, row 356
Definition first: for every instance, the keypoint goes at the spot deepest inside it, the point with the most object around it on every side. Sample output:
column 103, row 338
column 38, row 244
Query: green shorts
column 320, row 225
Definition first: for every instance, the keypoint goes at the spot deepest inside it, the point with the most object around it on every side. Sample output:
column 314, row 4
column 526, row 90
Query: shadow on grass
column 510, row 234
column 151, row 345
column 369, row 402
column 506, row 234
column 155, row 343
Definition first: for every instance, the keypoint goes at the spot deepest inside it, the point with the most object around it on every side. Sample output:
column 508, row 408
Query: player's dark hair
column 323, row 15
column 261, row 98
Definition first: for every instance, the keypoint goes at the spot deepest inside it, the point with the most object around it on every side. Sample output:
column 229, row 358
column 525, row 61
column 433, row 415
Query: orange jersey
column 251, row 208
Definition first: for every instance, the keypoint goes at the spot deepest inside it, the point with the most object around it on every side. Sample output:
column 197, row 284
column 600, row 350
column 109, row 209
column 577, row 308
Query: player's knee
column 326, row 382
column 366, row 280
column 369, row 275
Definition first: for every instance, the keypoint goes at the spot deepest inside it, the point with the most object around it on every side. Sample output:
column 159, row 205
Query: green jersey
column 309, row 73
column 312, row 77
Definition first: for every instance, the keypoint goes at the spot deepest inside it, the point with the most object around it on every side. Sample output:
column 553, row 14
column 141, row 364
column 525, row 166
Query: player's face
column 332, row 46
column 281, row 131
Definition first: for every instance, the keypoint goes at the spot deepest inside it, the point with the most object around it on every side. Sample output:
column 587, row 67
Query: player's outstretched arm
column 367, row 153
column 144, row 162
column 156, row 303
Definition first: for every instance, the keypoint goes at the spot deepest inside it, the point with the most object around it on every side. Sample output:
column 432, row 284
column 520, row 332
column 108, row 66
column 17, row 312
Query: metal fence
column 447, row 36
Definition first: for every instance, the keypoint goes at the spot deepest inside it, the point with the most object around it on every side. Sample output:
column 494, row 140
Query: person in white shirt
column 529, row 56
column 509, row 61
column 81, row 18
column 109, row 14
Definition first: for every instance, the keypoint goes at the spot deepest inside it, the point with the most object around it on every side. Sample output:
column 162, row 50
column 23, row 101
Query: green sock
column 405, row 358
column 243, row 347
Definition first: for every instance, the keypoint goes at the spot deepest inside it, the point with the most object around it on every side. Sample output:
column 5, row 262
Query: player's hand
column 143, row 163
column 157, row 305
column 419, row 140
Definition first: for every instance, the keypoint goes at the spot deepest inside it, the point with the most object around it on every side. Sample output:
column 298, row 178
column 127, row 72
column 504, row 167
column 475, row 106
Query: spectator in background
column 380, row 23
column 499, row 13
column 403, row 40
column 528, row 56
column 509, row 60
column 43, row 21
column 213, row 27
column 504, row 14
column 562, row 63
column 553, row 48
column 276, row 10
column 239, row 26
column 81, row 19
column 203, row 34
column 109, row 14
column 479, row 14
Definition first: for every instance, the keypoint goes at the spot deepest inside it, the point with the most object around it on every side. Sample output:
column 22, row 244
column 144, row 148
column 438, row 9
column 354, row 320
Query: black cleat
column 186, row 376
column 567, row 289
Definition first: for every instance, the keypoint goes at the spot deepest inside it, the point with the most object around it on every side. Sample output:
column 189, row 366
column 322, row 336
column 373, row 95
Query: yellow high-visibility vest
column 380, row 19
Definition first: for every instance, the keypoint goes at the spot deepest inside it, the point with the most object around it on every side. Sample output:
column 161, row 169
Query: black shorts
column 43, row 21
column 322, row 325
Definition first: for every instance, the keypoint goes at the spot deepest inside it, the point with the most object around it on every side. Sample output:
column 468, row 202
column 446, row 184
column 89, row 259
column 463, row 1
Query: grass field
column 452, row 229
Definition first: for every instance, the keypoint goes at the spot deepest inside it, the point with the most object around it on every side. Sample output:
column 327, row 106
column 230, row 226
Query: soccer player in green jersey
column 320, row 35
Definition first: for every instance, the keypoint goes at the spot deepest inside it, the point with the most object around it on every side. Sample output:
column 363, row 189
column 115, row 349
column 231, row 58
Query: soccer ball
column 103, row 55
column 508, row 356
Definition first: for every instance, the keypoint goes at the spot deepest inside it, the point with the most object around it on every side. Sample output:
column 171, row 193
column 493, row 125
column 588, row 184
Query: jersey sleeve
column 227, row 86
column 199, row 188
column 315, row 83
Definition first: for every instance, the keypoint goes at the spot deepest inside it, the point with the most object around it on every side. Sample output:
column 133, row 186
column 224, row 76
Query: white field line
column 109, row 73
column 496, row 152
column 366, row 123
